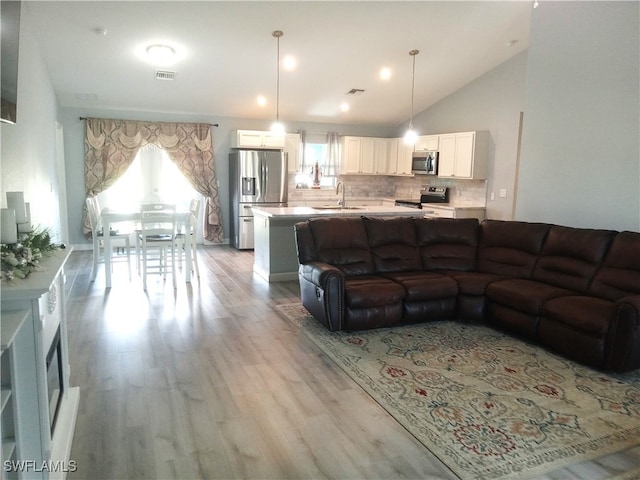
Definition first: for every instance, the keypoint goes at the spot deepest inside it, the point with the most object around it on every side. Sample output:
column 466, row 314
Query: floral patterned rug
column 487, row 405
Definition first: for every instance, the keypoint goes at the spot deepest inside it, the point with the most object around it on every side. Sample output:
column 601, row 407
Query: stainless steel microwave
column 424, row 162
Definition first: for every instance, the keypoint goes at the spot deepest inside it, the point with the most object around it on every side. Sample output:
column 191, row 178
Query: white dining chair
column 190, row 235
column 97, row 236
column 157, row 241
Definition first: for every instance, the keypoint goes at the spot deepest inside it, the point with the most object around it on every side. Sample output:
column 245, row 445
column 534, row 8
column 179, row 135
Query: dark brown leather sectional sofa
column 575, row 291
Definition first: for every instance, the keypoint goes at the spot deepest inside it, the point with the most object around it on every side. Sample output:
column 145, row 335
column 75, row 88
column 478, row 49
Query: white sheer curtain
column 332, row 160
column 304, row 167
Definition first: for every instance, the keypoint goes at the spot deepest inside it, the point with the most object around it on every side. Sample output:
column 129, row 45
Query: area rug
column 487, row 405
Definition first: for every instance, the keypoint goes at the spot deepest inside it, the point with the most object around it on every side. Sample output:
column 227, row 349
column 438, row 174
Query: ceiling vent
column 355, row 91
column 165, row 75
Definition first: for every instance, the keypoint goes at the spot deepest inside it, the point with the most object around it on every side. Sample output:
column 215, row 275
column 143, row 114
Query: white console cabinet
column 35, row 384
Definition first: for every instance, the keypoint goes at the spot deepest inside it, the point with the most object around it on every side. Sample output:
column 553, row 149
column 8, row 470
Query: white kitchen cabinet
column 399, row 157
column 350, row 162
column 364, row 155
column 428, row 142
column 463, row 155
column 33, row 319
column 292, row 149
column 257, row 139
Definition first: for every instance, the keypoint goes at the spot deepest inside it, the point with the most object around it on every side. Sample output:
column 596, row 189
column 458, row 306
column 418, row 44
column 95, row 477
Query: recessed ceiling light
column 511, row 43
column 289, row 63
column 344, row 107
column 100, row 31
column 385, row 73
column 261, row 100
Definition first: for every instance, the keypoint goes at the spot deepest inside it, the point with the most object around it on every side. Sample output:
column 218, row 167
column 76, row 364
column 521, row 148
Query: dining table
column 111, row 216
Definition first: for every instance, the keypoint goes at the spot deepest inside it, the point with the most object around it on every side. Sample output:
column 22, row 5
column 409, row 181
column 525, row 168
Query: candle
column 8, row 230
column 15, row 200
column 26, row 226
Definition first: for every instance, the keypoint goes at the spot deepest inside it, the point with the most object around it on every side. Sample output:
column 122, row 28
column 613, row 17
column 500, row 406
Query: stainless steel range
column 430, row 195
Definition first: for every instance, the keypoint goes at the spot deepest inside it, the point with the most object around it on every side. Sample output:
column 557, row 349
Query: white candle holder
column 8, row 226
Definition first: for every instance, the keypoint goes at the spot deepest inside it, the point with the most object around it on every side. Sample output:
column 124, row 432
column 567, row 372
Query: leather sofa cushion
column 523, row 295
column 447, row 243
column 510, row 248
column 342, row 242
column 368, row 291
column 425, row 286
column 570, row 257
column 472, row 283
column 393, row 243
column 619, row 275
column 591, row 315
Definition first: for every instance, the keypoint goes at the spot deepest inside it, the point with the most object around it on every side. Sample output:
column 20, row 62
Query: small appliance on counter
column 430, row 195
column 424, row 162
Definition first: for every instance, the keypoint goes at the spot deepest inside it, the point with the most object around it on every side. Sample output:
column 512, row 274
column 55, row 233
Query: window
column 315, row 152
column 152, row 177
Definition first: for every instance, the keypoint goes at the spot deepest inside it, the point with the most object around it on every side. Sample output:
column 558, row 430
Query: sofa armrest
column 631, row 302
column 322, row 293
column 319, row 273
column 624, row 351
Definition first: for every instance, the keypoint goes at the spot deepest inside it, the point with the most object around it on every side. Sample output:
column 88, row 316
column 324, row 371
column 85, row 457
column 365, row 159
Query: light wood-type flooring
column 209, row 382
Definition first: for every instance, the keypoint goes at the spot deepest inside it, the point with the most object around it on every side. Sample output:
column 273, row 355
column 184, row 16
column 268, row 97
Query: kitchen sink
column 335, row 207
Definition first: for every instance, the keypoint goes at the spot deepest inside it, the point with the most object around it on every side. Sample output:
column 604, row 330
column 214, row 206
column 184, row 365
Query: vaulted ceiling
column 228, row 54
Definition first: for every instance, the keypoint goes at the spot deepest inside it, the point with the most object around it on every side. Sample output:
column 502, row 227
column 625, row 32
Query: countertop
column 308, row 212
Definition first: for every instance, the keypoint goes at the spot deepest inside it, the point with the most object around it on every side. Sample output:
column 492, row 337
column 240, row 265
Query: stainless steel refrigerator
column 257, row 177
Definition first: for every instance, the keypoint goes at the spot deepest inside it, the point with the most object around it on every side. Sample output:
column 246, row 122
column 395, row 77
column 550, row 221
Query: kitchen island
column 275, row 256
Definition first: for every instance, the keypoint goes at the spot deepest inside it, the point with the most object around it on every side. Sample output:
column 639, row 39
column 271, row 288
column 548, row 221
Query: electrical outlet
column 503, row 193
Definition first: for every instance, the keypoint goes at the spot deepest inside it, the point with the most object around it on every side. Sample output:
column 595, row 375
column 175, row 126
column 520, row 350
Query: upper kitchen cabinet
column 364, row 155
column 292, row 149
column 428, row 142
column 463, row 155
column 257, row 139
column 399, row 157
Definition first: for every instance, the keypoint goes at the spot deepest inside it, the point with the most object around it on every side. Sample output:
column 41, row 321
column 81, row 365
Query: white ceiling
column 230, row 54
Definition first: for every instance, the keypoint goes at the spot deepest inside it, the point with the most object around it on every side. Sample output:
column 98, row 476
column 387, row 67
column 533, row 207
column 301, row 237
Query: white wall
column 492, row 102
column 29, row 147
column 580, row 162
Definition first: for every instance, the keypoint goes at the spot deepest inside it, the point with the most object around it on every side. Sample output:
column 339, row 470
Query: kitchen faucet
column 342, row 203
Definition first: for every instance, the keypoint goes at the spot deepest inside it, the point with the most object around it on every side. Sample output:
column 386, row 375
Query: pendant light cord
column 277, row 34
column 413, row 53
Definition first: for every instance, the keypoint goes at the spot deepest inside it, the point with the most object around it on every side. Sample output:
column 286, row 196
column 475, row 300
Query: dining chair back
column 97, row 235
column 157, row 240
column 190, row 235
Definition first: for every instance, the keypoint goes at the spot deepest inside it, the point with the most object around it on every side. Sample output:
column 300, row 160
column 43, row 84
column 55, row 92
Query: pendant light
column 277, row 127
column 411, row 136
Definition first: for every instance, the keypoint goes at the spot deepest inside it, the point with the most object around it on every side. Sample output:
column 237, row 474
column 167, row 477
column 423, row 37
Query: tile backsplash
column 461, row 192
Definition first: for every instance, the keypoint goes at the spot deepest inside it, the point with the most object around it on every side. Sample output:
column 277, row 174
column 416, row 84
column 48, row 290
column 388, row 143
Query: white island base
column 275, row 253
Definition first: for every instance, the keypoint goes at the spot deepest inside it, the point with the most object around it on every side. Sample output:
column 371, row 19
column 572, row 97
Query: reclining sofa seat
column 565, row 266
column 603, row 324
column 355, row 297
